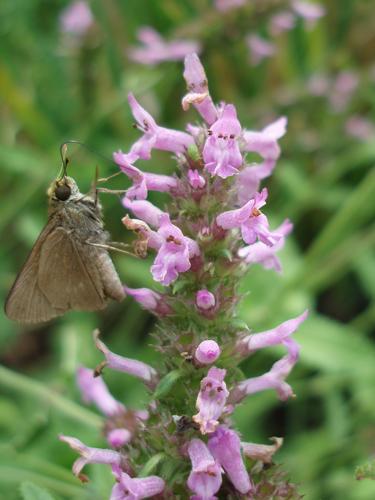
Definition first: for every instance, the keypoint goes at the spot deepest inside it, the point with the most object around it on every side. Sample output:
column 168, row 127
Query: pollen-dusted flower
column 275, row 336
column 174, row 253
column 207, row 352
column 221, row 152
column 205, row 477
column 211, row 400
column 274, row 379
column 143, row 182
column 127, row 365
column 253, row 223
column 94, row 390
column 259, row 253
column 150, row 300
column 155, row 137
column 156, row 49
column 225, row 446
column 90, row 455
column 198, row 94
column 147, row 238
column 135, row 488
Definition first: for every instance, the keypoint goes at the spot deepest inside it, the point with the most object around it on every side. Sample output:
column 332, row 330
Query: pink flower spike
column 130, row 488
column 225, row 446
column 262, row 254
column 253, row 223
column 198, row 93
column 174, row 253
column 155, row 137
column 207, row 352
column 274, row 379
column 211, row 400
column 156, row 50
column 94, row 390
column 259, row 48
column 205, row 300
column 205, row 478
column 196, row 181
column 275, row 336
column 77, row 18
column 221, row 152
column 131, row 366
column 117, row 438
column 90, row 455
column 150, row 300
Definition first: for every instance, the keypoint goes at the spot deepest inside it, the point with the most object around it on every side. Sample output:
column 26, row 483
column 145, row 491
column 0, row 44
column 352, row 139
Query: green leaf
column 151, row 464
column 366, row 471
column 166, row 383
column 31, row 491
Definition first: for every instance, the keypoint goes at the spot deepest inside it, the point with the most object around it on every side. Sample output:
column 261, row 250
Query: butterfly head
column 63, row 189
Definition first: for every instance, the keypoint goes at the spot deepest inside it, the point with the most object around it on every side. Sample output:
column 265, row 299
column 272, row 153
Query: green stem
column 35, row 389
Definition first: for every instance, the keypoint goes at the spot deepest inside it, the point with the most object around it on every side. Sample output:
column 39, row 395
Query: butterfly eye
column 62, row 192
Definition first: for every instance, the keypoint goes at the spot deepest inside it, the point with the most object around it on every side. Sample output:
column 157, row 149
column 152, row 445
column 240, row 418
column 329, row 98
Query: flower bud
column 205, row 300
column 207, row 352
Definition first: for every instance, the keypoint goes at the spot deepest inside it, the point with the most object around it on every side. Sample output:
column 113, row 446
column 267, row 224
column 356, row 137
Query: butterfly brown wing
column 26, row 303
column 69, row 275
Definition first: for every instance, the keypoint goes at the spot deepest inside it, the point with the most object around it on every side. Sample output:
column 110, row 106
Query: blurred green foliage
column 52, row 90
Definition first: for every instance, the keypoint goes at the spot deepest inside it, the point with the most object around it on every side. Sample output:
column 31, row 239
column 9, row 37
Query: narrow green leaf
column 31, row 491
column 166, row 383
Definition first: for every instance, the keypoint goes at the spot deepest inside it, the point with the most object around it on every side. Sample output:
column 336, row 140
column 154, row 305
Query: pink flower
column 259, row 48
column 225, row 5
column 205, row 300
column 311, row 12
column 131, row 366
column 77, row 18
column 225, row 446
column 94, row 390
column 221, row 153
column 117, row 438
column 282, row 21
column 262, row 452
column 198, row 94
column 142, row 181
column 274, row 379
column 211, row 400
column 130, row 488
column 253, row 224
column 277, row 335
column 196, row 181
column 207, row 352
column 360, row 128
column 144, row 210
column 174, row 253
column 90, row 455
column 262, row 254
column 155, row 137
column 150, row 300
column 342, row 91
column 156, row 50
column 205, row 478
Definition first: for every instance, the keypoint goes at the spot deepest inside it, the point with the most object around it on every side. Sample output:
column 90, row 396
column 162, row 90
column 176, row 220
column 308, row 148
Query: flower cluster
column 215, row 228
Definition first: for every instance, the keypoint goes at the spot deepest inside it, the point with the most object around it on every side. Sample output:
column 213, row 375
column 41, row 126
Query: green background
column 52, row 90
